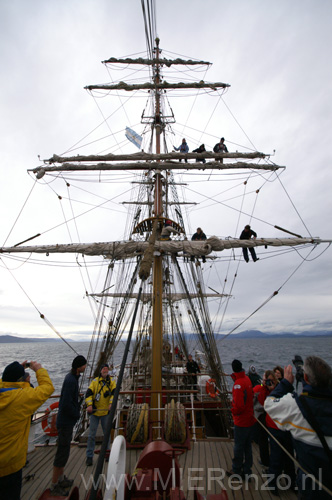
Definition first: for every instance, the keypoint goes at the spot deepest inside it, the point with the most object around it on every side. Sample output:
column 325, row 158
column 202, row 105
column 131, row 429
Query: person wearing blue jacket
column 183, row 148
column 68, row 414
column 293, row 413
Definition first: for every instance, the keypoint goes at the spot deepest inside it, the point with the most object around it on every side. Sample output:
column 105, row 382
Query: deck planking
column 203, row 467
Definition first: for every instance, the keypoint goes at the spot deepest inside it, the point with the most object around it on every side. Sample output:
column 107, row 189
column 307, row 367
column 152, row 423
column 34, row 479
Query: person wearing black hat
column 68, row 414
column 244, row 421
column 246, row 234
column 18, row 401
column 98, row 400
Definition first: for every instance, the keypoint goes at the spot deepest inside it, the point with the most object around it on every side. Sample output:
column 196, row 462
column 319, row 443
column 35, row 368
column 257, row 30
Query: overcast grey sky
column 277, row 58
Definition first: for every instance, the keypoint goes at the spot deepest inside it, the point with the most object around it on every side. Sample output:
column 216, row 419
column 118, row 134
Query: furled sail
column 123, row 249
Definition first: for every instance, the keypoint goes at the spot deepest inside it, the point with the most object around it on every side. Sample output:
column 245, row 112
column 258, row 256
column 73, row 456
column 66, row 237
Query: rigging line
column 309, row 474
column 253, row 145
column 268, row 299
column 16, row 258
column 296, row 269
column 214, row 109
column 73, row 147
column 250, row 315
column 120, row 96
column 90, row 284
column 323, row 251
column 20, row 212
column 86, row 212
column 154, row 18
column 59, row 335
column 151, row 30
column 36, row 308
column 90, row 193
column 232, row 198
column 254, row 206
column 84, row 260
column 64, row 216
column 192, row 107
column 107, row 124
column 228, row 206
column 216, row 137
column 146, row 30
column 52, row 263
column 240, row 212
column 293, row 205
column 229, row 263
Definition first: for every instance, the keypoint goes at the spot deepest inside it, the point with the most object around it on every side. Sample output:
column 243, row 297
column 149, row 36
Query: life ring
column 211, row 389
column 49, row 421
column 115, row 485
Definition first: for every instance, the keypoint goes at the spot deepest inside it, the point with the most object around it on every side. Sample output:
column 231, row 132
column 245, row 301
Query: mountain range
column 247, row 334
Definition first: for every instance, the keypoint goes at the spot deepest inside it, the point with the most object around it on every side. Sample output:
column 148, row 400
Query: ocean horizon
column 263, row 353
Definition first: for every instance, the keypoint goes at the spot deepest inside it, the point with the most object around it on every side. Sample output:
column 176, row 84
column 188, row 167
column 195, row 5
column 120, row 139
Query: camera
column 298, row 363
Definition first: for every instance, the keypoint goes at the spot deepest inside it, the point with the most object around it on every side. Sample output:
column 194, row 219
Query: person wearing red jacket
column 261, row 392
column 279, row 461
column 244, row 421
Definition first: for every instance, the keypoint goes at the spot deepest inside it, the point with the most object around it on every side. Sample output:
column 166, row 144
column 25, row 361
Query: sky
column 275, row 55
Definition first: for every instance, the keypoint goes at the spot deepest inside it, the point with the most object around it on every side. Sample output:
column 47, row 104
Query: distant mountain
column 250, row 334
column 247, row 334
column 11, row 339
column 257, row 334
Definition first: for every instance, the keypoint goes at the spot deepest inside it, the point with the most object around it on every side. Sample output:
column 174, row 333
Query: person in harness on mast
column 201, row 149
column 183, row 148
column 198, row 236
column 220, row 147
column 98, row 399
column 167, row 230
column 246, row 234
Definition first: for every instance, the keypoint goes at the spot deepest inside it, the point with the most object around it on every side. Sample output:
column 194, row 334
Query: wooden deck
column 203, row 467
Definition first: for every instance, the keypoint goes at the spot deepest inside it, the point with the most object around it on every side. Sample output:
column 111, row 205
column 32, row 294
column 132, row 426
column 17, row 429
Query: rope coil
column 137, row 423
column 175, row 422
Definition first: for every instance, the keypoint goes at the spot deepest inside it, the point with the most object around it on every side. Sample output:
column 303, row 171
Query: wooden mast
column 157, row 292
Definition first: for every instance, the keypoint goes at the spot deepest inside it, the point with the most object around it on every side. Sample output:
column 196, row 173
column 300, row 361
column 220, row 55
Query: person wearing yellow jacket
column 18, row 401
column 98, row 400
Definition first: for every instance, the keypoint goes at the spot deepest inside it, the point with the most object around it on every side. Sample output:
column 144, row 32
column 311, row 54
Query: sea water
column 264, row 354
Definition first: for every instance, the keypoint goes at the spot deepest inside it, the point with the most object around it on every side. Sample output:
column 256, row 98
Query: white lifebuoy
column 49, row 420
column 211, row 388
column 115, row 484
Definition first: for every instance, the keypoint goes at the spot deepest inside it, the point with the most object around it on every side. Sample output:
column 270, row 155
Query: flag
column 133, row 137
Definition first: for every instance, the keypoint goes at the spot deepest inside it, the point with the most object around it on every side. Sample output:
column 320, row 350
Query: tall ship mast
column 154, row 298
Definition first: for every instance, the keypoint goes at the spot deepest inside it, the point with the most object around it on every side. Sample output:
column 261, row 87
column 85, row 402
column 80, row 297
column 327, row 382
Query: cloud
column 276, row 56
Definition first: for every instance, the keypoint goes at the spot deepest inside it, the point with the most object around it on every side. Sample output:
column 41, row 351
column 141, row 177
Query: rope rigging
column 113, row 316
